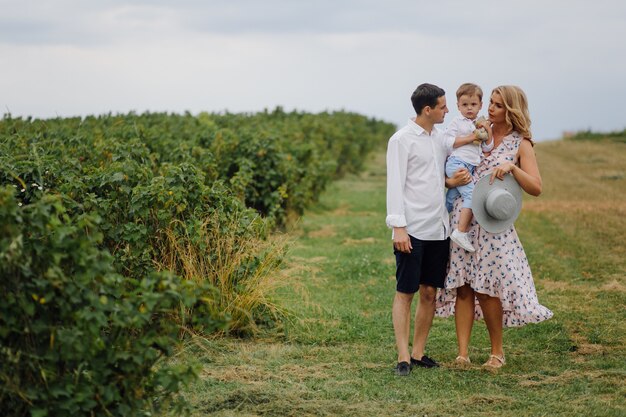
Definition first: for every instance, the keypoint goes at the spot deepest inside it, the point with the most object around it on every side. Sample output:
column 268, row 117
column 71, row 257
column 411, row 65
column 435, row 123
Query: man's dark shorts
column 427, row 264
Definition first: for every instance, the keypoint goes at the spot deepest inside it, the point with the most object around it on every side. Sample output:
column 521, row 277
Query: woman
column 497, row 274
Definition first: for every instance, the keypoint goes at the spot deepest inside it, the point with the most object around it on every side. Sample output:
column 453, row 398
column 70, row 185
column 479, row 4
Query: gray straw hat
column 496, row 206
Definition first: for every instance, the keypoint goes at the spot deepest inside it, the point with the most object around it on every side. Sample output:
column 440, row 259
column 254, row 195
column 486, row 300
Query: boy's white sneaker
column 462, row 240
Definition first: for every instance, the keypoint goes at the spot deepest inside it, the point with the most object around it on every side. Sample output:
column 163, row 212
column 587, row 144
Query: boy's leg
column 466, row 211
column 453, row 164
column 465, row 219
column 451, row 195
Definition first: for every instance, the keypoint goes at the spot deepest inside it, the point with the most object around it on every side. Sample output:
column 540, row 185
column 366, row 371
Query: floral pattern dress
column 499, row 266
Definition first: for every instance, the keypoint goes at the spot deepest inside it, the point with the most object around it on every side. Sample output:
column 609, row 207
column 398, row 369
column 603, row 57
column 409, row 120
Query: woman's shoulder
column 513, row 140
column 518, row 140
column 514, row 136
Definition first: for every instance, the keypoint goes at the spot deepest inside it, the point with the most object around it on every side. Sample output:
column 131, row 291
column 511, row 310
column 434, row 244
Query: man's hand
column 460, row 177
column 401, row 240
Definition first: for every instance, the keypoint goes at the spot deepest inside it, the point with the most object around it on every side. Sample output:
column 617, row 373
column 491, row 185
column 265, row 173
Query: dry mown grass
column 585, row 202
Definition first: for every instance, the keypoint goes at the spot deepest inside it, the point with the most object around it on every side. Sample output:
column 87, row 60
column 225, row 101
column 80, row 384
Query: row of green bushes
column 121, row 232
column 616, row 135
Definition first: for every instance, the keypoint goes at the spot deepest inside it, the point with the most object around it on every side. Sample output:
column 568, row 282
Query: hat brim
column 479, row 195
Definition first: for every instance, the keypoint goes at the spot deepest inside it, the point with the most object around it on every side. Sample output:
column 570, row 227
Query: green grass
column 335, row 353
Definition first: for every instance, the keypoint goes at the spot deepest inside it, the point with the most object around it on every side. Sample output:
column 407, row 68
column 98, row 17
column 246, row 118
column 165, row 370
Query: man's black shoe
column 425, row 362
column 403, row 369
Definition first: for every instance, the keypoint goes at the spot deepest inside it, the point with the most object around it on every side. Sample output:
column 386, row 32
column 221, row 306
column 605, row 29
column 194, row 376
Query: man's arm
column 461, row 177
column 397, row 164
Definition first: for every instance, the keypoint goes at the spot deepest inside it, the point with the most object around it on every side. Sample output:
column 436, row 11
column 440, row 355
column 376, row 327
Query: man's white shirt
column 416, row 182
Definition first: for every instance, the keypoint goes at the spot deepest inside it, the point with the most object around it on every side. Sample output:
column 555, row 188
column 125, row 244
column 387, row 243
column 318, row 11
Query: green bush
column 616, row 135
column 76, row 337
column 120, row 233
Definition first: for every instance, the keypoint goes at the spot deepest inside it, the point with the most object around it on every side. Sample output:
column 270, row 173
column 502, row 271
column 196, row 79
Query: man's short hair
column 469, row 89
column 426, row 95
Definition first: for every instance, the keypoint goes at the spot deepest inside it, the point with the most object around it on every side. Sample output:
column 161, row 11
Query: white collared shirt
column 416, row 182
column 462, row 126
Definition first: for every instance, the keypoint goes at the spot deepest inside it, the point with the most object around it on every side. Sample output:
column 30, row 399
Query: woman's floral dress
column 499, row 266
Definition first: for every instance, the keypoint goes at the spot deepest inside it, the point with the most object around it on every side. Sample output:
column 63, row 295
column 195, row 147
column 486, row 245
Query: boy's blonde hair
column 469, row 89
column 516, row 105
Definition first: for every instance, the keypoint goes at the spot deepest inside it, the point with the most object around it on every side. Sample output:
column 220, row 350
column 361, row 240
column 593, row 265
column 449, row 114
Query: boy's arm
column 464, row 140
column 487, row 145
column 453, row 140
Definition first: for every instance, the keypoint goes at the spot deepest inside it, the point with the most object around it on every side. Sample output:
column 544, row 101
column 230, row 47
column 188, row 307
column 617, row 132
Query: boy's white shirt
column 470, row 153
column 416, row 182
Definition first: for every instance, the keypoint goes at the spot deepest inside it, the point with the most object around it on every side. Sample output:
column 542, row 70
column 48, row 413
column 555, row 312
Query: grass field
column 335, row 353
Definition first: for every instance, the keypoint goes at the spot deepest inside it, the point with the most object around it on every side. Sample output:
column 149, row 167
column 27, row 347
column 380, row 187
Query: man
column 416, row 211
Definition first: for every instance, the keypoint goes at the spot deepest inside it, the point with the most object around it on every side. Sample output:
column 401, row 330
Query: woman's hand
column 501, row 171
column 526, row 173
column 460, row 177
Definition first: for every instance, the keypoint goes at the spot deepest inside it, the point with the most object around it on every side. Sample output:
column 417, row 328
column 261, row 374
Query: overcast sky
column 71, row 57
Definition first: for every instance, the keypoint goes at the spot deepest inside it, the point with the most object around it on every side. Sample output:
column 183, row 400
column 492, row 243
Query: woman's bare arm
column 526, row 174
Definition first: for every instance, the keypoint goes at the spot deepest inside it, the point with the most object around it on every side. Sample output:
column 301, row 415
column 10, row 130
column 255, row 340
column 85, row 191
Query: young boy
column 462, row 130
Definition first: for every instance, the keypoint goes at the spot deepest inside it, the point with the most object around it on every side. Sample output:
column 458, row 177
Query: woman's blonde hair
column 516, row 104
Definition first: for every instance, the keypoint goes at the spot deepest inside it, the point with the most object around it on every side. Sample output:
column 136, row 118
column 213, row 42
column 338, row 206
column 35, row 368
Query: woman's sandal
column 495, row 362
column 462, row 360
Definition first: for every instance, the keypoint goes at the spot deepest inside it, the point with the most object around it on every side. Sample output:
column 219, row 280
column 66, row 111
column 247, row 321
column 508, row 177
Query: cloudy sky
column 71, row 57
